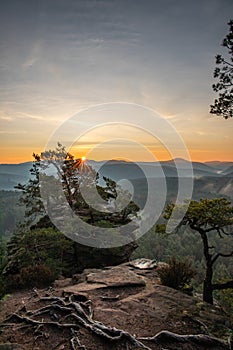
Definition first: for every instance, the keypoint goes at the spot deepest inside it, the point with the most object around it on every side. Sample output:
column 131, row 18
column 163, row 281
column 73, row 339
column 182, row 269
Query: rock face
column 115, row 277
column 89, row 257
column 128, row 297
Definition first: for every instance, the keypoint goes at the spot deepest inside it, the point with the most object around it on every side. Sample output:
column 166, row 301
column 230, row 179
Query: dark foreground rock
column 121, row 307
column 89, row 257
column 10, row 346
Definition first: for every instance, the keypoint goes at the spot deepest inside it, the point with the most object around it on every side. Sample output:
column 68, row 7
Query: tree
column 223, row 106
column 207, row 217
column 3, row 262
column 70, row 174
column 30, row 197
column 116, row 195
column 70, row 171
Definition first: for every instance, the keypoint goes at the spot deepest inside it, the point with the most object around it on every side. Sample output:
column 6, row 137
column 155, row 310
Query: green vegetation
column 225, row 298
column 223, row 106
column 37, row 252
column 30, row 197
column 207, row 217
column 71, row 173
column 37, row 257
column 3, row 262
column 185, row 245
column 10, row 212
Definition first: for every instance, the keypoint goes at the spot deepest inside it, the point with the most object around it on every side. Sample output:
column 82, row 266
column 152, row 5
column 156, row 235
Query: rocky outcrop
column 120, row 307
column 89, row 257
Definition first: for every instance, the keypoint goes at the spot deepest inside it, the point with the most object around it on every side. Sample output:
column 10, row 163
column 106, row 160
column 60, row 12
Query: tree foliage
column 208, row 217
column 71, row 173
column 37, row 257
column 38, row 252
column 10, row 212
column 223, row 106
column 3, row 262
column 31, row 198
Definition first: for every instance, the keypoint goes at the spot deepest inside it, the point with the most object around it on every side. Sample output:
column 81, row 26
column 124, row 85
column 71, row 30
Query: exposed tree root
column 77, row 341
column 64, row 313
column 166, row 337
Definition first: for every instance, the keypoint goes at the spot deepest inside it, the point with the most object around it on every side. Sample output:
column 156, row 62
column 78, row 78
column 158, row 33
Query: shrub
column 40, row 247
column 37, row 276
column 177, row 274
column 31, row 276
column 225, row 298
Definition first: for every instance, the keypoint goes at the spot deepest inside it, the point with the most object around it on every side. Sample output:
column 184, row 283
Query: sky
column 58, row 58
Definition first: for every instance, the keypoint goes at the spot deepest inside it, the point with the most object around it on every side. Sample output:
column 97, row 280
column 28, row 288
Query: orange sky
column 103, row 143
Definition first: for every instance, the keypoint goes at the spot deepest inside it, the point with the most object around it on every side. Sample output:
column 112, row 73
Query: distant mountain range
column 211, row 180
column 118, row 169
column 212, row 177
column 12, row 174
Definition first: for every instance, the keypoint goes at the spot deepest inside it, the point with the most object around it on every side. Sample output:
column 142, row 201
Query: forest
column 35, row 253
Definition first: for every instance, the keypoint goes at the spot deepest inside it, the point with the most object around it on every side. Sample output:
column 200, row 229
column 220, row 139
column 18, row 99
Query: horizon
column 139, row 161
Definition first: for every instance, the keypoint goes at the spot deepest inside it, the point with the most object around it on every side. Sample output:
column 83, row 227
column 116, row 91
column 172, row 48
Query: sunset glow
column 55, row 65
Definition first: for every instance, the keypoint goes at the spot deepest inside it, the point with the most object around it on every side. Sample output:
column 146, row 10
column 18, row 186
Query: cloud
column 5, row 116
column 27, row 116
column 13, row 132
column 57, row 57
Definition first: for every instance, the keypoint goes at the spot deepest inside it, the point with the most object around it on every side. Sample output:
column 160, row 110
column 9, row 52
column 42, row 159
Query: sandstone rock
column 116, row 277
column 61, row 283
column 83, row 287
column 128, row 298
column 143, row 264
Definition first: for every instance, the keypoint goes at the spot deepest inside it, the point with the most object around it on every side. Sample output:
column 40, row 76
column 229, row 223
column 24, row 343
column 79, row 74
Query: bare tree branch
column 222, row 255
column 221, row 286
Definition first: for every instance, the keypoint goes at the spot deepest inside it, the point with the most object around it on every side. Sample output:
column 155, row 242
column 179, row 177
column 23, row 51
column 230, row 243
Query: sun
column 83, row 158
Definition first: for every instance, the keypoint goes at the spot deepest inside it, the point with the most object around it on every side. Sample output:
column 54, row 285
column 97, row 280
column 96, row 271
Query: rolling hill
column 228, row 171
column 12, row 174
column 220, row 166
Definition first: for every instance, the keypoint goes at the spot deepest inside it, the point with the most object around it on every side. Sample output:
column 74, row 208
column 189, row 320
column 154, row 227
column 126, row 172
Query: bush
column 177, row 274
column 31, row 276
column 225, row 298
